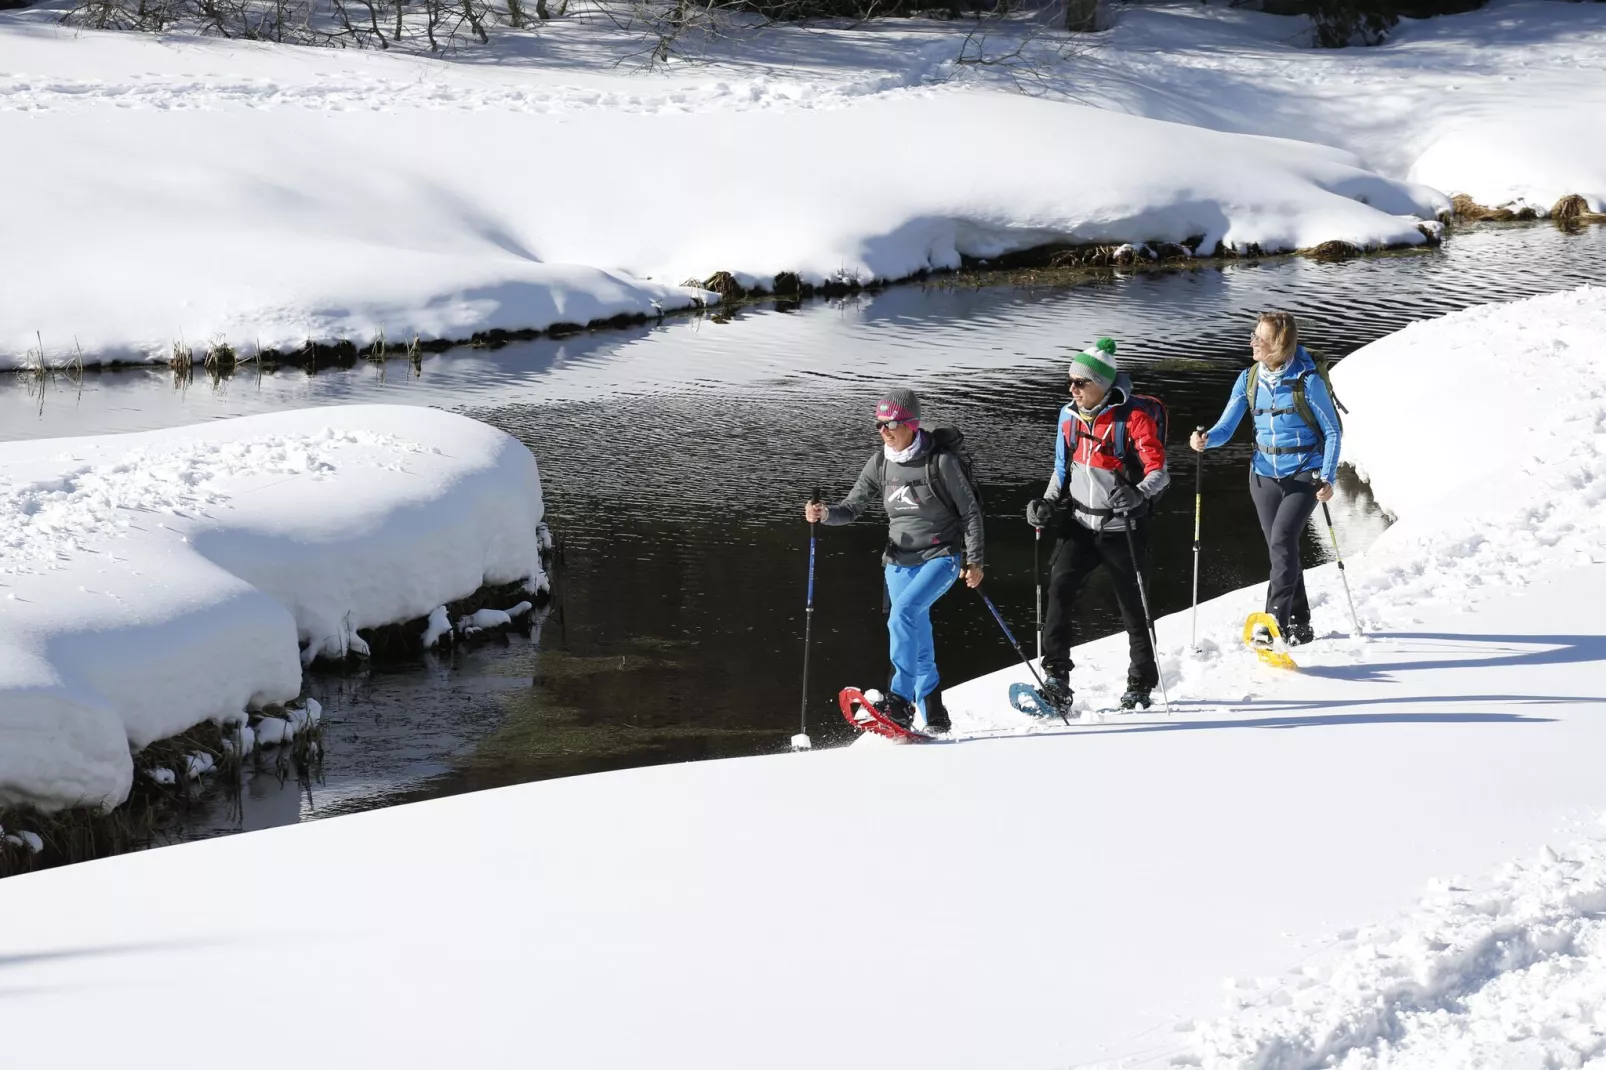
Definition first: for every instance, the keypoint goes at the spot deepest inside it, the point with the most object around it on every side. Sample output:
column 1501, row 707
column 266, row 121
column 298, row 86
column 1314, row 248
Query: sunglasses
column 1081, row 384
column 888, row 425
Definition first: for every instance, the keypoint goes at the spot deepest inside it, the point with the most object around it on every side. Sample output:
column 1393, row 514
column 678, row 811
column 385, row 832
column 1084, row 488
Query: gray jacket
column 919, row 526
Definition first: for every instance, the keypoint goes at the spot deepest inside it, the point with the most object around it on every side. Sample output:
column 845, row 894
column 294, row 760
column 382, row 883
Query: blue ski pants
column 913, row 591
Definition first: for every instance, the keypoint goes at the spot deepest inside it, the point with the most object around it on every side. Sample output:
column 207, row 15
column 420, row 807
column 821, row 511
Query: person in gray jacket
column 932, row 511
column 1109, row 464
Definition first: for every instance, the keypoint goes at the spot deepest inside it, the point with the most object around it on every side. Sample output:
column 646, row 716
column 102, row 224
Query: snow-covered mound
column 1505, row 104
column 153, row 581
column 1505, row 972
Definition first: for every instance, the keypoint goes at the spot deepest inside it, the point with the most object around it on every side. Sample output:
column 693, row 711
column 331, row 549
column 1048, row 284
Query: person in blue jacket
column 1297, row 443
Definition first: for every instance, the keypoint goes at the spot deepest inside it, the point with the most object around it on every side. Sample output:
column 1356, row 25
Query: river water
column 676, row 459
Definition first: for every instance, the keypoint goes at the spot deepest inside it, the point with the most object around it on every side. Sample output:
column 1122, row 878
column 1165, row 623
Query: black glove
column 1040, row 514
column 1126, row 499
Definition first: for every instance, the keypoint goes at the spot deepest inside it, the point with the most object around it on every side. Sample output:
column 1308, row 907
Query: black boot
column 1299, row 634
column 1136, row 695
column 897, row 709
column 937, row 722
column 1057, row 691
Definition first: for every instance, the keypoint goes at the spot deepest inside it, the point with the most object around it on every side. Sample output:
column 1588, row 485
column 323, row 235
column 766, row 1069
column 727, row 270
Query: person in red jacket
column 1109, row 465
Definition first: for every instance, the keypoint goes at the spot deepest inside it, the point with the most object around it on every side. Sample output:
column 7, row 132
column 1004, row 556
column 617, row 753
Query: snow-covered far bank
column 1065, row 896
column 154, row 581
column 347, row 195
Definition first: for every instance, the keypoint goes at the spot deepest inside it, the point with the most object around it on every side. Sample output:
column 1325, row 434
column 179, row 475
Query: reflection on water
column 676, row 459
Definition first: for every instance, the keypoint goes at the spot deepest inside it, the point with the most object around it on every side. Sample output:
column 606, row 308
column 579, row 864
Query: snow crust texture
column 1511, row 972
column 157, row 580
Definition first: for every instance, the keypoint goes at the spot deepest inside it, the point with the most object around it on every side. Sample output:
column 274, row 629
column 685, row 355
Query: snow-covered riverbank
column 1239, row 879
column 154, row 581
column 343, row 195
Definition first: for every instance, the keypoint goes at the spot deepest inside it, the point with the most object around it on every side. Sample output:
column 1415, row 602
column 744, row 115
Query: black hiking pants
column 1077, row 553
column 1285, row 506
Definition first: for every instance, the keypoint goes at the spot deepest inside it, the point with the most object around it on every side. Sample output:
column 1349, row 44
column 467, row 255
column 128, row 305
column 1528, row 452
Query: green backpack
column 1301, row 405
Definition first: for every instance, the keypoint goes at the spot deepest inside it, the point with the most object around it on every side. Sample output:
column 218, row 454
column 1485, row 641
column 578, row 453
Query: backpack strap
column 934, row 477
column 1306, row 413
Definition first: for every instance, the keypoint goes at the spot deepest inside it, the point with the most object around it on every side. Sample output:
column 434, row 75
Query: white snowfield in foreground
column 345, row 195
column 149, row 582
column 1030, row 896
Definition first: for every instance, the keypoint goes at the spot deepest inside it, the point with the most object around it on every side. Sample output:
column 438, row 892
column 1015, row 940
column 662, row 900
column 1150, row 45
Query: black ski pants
column 1077, row 553
column 1285, row 506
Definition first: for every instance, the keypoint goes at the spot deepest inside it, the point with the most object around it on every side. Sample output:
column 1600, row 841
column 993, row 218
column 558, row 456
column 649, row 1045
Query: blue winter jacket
column 1279, row 427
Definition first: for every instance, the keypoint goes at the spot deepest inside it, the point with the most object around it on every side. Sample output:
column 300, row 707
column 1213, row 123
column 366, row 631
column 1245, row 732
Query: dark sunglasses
column 883, row 425
column 1078, row 384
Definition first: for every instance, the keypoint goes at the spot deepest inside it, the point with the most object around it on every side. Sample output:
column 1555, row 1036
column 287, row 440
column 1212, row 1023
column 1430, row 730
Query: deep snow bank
column 152, row 581
column 314, row 214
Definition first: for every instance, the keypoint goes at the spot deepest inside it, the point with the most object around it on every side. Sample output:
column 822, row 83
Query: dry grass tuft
column 182, row 361
column 1471, row 211
column 724, row 284
column 1570, row 210
column 1333, row 250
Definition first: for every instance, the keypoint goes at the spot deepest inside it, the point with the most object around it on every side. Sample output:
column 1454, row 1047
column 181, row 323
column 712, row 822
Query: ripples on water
column 676, row 459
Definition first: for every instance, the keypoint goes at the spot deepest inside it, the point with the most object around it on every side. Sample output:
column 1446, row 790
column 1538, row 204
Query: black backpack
column 945, row 440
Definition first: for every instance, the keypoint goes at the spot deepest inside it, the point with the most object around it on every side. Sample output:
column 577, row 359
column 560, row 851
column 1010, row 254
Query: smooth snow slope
column 153, row 581
column 1059, row 896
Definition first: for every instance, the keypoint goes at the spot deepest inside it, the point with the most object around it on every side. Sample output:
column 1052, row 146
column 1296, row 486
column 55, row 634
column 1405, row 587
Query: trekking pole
column 1354, row 618
column 999, row 617
column 1198, row 513
column 801, row 740
column 1037, row 574
column 1148, row 617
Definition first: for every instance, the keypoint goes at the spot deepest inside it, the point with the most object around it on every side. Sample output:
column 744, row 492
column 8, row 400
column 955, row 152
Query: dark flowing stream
column 676, row 460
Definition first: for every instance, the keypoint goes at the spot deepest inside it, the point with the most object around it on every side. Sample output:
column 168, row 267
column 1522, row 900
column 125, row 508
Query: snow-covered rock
column 481, row 619
column 274, row 731
column 439, row 626
column 160, row 579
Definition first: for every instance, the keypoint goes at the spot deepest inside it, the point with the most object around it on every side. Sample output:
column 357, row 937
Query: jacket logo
column 904, row 496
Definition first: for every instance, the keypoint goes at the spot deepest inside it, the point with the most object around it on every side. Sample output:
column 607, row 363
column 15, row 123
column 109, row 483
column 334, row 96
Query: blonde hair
column 1284, row 332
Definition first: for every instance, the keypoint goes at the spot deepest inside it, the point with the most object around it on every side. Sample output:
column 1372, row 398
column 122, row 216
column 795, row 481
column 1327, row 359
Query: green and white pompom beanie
column 1096, row 362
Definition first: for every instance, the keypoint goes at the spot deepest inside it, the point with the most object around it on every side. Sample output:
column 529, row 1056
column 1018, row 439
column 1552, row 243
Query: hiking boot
column 1299, row 634
column 899, row 710
column 1056, row 691
column 937, row 722
column 1136, row 695
column 1261, row 636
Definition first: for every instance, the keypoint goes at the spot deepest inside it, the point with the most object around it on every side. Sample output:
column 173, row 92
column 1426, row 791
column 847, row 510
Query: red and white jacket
column 1089, row 460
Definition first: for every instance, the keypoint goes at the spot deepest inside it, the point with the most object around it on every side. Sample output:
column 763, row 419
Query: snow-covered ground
column 1292, row 870
column 265, row 195
column 153, row 581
